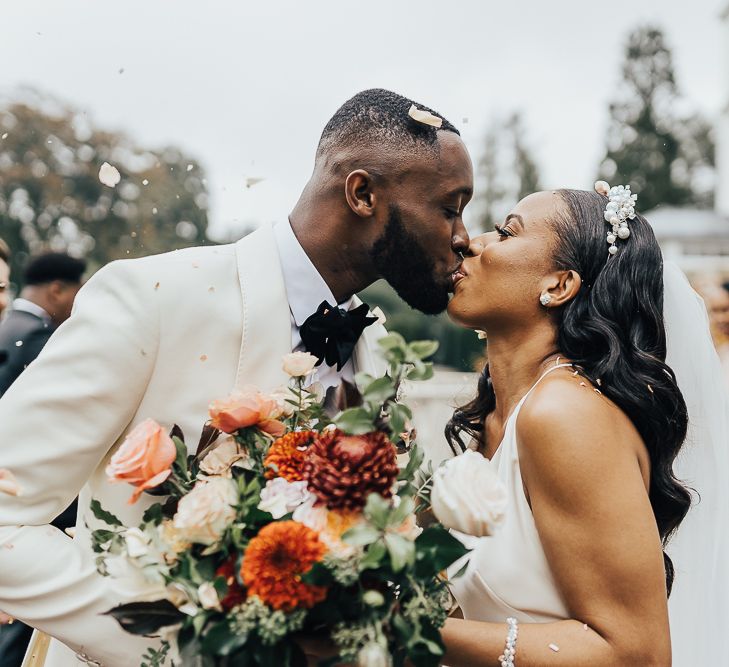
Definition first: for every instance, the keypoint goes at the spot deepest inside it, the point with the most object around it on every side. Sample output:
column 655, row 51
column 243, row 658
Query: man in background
column 50, row 286
column 51, row 283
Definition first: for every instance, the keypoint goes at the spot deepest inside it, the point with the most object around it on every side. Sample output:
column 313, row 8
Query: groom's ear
column 563, row 286
column 359, row 193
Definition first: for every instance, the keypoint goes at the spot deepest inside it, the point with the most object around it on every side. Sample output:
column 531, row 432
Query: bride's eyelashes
column 503, row 232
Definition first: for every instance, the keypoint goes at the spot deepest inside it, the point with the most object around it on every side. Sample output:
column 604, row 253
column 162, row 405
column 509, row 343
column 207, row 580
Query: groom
column 162, row 336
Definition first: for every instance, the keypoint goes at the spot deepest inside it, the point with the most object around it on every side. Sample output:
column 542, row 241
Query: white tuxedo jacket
column 157, row 337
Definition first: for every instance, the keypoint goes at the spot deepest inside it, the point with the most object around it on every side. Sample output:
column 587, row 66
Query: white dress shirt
column 306, row 289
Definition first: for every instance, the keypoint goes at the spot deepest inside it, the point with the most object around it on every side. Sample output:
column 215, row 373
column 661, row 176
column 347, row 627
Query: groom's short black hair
column 380, row 116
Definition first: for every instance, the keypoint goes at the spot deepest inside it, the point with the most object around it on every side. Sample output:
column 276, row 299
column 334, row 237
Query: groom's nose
column 460, row 240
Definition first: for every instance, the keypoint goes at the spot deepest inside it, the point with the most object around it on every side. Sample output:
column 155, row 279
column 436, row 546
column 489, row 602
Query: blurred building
column 696, row 239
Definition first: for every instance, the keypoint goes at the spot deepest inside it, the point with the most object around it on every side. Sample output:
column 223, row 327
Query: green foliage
column 666, row 157
column 102, row 515
column 457, row 347
column 51, row 196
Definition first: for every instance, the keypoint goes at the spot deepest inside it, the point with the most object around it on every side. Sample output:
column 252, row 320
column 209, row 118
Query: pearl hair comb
column 620, row 209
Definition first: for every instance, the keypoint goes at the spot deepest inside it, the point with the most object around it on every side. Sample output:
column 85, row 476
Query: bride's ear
column 562, row 287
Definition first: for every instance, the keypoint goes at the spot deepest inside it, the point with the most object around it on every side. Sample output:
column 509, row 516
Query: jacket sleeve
column 57, row 422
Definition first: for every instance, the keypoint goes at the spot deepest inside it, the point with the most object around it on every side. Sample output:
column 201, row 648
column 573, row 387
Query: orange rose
column 144, row 459
column 247, row 407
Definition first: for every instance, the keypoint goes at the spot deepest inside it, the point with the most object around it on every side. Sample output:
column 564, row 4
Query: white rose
column 280, row 496
column 299, row 364
column 208, row 597
column 137, row 543
column 468, row 495
column 221, row 459
column 204, row 513
column 133, row 583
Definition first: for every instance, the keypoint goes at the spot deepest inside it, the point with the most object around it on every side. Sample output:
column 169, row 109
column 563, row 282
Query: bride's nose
column 478, row 243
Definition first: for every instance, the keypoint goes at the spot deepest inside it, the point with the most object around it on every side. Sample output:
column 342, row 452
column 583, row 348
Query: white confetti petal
column 109, row 175
column 145, row 181
column 554, row 647
column 189, row 167
column 18, row 343
column 154, row 210
column 252, row 180
column 424, row 117
column 5, row 136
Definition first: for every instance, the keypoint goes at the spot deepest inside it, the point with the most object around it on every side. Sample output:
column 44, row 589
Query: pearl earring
column 545, row 299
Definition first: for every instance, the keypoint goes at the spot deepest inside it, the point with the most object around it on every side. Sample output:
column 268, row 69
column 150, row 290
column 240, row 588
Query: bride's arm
column 581, row 462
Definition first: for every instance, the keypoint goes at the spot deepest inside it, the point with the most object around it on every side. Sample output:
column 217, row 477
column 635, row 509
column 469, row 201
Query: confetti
column 554, row 647
column 597, row 391
column 481, row 334
column 156, row 286
column 189, row 167
column 8, row 484
column 134, row 235
column 145, row 181
column 18, row 343
column 424, row 117
column 154, row 210
column 5, row 136
column 650, row 389
column 599, row 382
column 109, row 175
column 582, row 384
column 253, row 180
column 203, row 357
column 585, row 627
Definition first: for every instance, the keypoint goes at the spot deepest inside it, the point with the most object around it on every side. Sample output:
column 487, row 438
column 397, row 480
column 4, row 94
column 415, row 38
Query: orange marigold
column 288, row 454
column 274, row 561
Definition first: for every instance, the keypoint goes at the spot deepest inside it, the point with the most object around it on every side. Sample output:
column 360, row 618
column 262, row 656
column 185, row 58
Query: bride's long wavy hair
column 613, row 330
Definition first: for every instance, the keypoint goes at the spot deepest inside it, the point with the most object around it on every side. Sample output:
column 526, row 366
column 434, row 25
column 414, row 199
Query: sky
column 246, row 87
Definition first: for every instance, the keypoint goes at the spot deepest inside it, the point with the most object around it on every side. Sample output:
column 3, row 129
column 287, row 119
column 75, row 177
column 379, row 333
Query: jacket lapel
column 266, row 335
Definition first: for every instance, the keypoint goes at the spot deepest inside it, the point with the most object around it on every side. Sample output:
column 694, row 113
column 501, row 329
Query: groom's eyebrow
column 466, row 191
column 515, row 216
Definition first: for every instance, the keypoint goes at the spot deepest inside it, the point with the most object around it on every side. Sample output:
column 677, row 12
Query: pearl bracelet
column 507, row 657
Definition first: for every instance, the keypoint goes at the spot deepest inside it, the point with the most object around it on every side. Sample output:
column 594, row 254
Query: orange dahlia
column 288, row 454
column 274, row 561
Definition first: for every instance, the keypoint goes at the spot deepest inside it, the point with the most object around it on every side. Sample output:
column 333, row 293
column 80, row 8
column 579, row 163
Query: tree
column 667, row 156
column 51, row 196
column 507, row 172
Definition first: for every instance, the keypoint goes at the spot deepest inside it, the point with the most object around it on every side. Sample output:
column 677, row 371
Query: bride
column 584, row 420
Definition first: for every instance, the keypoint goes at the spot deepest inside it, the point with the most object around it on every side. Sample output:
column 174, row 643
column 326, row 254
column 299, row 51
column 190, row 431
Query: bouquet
column 285, row 521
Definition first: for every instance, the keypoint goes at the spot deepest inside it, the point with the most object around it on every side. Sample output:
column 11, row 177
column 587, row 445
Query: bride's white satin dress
column 508, row 573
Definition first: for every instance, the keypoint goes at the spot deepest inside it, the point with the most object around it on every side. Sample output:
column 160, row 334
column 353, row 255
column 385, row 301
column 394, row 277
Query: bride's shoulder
column 568, row 419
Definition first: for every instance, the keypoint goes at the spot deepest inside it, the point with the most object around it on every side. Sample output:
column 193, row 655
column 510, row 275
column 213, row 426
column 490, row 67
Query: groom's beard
column 401, row 259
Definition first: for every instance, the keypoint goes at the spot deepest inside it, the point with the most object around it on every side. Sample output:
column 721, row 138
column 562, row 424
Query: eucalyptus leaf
column 102, row 515
column 373, row 556
column 401, row 550
column 355, row 421
column 361, row 535
column 380, row 390
column 424, row 348
column 377, row 510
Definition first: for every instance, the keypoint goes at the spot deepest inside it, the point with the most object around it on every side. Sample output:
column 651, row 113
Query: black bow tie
column 331, row 333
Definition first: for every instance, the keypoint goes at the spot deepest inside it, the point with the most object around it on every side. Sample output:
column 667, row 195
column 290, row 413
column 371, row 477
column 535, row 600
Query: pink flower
column 245, row 408
column 144, row 459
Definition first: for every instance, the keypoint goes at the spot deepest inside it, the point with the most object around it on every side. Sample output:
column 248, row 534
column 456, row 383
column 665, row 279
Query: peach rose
column 299, row 364
column 8, row 484
column 144, row 459
column 247, row 407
